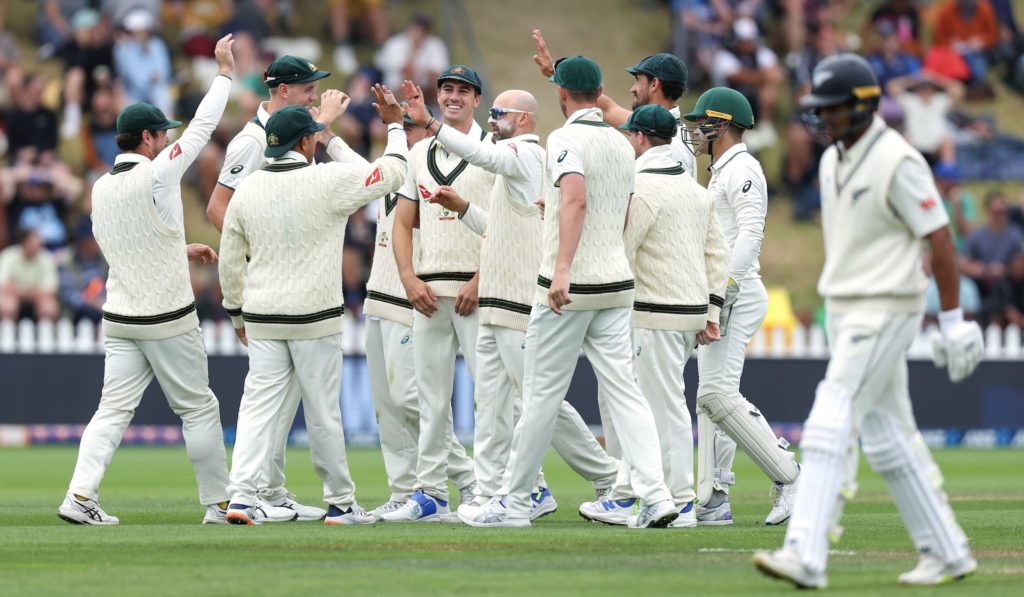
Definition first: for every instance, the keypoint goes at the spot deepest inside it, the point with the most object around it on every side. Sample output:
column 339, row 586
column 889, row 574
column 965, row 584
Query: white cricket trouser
column 180, row 366
column 865, row 393
column 273, row 364
column 389, row 362
column 553, row 344
column 501, row 362
column 271, row 477
column 720, row 367
column 438, row 339
column 660, row 357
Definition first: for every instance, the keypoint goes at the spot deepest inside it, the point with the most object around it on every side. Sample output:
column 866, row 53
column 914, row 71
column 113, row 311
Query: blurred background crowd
column 952, row 73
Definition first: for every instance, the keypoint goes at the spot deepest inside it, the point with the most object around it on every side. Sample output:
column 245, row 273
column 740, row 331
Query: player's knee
column 718, row 406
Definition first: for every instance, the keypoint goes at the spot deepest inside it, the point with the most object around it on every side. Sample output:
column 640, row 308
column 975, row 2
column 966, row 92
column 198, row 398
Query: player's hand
column 225, row 59
column 448, row 198
column 558, row 294
column 386, row 105
column 543, row 56
column 240, row 332
column 200, row 253
column 959, row 349
column 415, row 106
column 421, row 296
column 333, row 104
column 709, row 334
column 540, row 205
column 467, row 298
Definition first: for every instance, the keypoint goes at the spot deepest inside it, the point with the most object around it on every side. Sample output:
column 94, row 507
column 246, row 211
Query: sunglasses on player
column 499, row 113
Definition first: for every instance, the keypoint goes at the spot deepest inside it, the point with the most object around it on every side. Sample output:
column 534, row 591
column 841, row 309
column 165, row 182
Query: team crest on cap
column 312, row 67
column 272, row 140
column 458, row 70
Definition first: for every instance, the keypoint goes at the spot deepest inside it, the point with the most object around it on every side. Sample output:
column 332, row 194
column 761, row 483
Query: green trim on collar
column 123, row 167
column 671, row 170
column 731, row 158
column 285, row 167
column 256, row 120
column 435, row 170
column 591, row 123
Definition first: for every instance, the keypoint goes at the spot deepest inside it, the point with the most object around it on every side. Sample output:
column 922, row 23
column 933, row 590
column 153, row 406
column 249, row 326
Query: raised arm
column 172, row 162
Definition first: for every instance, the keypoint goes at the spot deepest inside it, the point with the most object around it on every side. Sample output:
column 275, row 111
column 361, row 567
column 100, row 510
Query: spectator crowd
column 931, row 57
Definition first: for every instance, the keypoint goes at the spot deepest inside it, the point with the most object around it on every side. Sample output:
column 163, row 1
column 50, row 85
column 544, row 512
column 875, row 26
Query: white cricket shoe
column 215, row 515
column 720, row 515
column 687, row 518
column 241, row 514
column 930, row 570
column 655, row 516
column 542, row 503
column 614, row 512
column 353, row 515
column 303, row 513
column 467, row 495
column 264, row 511
column 79, row 510
column 491, row 514
column 785, row 497
column 421, row 507
column 785, row 565
column 387, row 507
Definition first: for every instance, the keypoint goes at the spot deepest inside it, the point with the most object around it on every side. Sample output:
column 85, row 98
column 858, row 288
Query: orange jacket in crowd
column 950, row 27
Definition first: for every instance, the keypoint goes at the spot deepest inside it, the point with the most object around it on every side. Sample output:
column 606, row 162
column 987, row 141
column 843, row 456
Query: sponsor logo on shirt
column 374, row 177
column 562, row 155
column 175, row 151
column 929, row 203
column 237, row 169
column 424, row 192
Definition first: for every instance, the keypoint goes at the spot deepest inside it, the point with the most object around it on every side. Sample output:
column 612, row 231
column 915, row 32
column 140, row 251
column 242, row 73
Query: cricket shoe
column 387, row 507
column 655, row 516
column 784, row 564
column 215, row 515
column 785, row 497
column 615, row 512
column 720, row 515
column 491, row 514
column 931, row 570
column 687, row 518
column 353, row 515
column 542, row 503
column 79, row 510
column 467, row 495
column 241, row 514
column 602, row 493
column 421, row 507
column 264, row 511
column 303, row 513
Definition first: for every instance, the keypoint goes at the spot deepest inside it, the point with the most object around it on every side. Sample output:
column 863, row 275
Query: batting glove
column 958, row 346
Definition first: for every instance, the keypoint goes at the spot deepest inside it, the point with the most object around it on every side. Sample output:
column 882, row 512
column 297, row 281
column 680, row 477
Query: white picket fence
column 27, row 337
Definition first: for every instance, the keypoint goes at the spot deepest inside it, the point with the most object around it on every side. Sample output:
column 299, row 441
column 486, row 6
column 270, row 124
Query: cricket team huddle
column 520, row 254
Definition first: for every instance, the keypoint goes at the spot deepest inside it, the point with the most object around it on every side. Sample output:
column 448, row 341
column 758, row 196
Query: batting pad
column 715, row 454
column 741, row 420
column 923, row 504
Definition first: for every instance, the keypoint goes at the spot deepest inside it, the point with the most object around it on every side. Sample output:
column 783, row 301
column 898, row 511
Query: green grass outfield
column 160, row 549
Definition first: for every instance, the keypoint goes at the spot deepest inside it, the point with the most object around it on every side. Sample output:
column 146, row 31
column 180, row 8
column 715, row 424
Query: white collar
column 585, row 114
column 130, row 157
column 475, row 132
column 662, row 156
column 729, row 154
column 262, row 115
column 292, row 156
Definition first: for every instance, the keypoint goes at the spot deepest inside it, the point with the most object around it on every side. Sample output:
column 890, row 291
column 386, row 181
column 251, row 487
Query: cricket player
column 658, row 80
column 389, row 362
column 509, row 258
column 290, row 218
column 150, row 318
column 724, row 416
column 879, row 202
column 583, row 300
column 292, row 81
column 442, row 286
column 680, row 259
